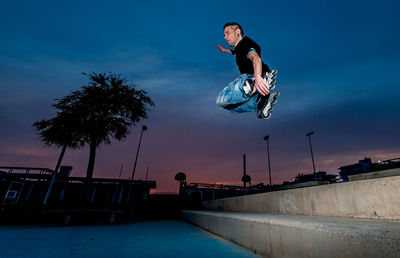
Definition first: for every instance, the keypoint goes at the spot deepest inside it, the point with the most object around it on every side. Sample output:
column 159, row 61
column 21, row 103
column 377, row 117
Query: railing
column 41, row 185
column 43, row 173
column 395, row 160
column 221, row 186
column 28, row 170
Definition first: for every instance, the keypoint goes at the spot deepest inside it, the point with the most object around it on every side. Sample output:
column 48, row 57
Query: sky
column 337, row 63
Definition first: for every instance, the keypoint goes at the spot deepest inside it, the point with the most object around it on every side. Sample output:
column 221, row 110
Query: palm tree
column 181, row 177
column 246, row 179
column 103, row 109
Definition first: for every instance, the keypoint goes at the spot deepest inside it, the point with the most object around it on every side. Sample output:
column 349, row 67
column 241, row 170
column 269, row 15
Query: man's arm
column 223, row 49
column 259, row 84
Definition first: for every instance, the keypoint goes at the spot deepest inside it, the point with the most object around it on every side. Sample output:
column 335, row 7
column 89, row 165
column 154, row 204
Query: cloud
column 24, row 151
column 337, row 77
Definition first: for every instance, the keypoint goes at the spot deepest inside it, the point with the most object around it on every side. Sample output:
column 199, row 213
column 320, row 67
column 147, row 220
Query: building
column 366, row 166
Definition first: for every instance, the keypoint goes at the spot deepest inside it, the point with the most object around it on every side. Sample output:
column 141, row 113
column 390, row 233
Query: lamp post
column 144, row 128
column 312, row 156
column 266, row 138
column 147, row 173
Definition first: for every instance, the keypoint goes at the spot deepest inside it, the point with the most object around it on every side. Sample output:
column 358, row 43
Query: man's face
column 232, row 36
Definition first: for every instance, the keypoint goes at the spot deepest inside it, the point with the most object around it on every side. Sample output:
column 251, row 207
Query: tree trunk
column 92, row 158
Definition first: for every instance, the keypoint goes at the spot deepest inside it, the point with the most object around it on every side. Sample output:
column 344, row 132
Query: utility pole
column 266, row 138
column 312, row 156
column 147, row 173
column 244, row 170
column 144, row 128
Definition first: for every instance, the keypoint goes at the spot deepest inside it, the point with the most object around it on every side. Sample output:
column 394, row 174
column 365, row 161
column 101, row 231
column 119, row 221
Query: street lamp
column 312, row 156
column 144, row 128
column 266, row 138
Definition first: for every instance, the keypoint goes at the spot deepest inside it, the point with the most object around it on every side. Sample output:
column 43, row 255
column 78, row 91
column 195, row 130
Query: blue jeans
column 233, row 98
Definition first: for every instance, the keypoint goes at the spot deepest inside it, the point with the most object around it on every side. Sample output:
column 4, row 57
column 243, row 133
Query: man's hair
column 235, row 26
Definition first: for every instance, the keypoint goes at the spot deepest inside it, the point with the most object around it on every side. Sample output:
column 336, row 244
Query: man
column 251, row 90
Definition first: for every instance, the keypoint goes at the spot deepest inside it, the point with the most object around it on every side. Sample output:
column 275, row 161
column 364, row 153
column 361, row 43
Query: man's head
column 233, row 32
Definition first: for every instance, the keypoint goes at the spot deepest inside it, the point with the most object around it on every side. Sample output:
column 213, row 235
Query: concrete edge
column 302, row 236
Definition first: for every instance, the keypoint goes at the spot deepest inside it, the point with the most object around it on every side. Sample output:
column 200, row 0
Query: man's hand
column 223, row 49
column 260, row 85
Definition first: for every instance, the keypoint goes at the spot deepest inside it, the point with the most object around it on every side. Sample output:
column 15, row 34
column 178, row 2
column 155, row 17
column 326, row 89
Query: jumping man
column 251, row 91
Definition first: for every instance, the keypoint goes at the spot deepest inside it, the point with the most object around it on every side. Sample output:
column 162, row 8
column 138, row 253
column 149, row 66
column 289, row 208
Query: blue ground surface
column 138, row 239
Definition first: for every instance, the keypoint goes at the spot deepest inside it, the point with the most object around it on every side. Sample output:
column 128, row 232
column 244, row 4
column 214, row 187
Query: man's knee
column 220, row 101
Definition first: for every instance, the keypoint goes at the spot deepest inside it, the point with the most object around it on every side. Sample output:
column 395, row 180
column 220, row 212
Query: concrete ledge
column 302, row 236
column 374, row 198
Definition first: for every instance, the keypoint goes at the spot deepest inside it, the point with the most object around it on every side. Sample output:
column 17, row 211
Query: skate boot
column 269, row 78
column 266, row 105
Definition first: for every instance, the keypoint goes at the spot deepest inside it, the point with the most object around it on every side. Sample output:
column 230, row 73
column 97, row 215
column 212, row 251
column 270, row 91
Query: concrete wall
column 374, row 198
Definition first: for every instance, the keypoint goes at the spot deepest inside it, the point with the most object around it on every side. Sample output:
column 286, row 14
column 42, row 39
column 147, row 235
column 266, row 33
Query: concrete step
column 274, row 235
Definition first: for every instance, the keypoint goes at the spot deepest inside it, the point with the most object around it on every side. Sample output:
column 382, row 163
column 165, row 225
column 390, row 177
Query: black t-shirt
column 242, row 49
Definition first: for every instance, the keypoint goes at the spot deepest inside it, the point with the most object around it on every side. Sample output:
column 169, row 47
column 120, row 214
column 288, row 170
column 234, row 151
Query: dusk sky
column 338, row 64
